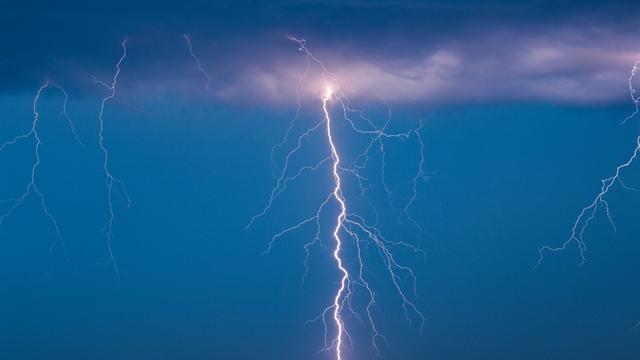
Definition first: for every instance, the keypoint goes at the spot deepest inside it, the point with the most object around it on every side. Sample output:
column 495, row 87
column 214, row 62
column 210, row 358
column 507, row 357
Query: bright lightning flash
column 337, row 194
column 589, row 212
column 350, row 230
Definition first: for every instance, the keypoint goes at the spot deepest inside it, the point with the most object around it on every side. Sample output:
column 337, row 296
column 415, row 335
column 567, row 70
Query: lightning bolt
column 110, row 180
column 590, row 211
column 337, row 194
column 351, row 232
column 197, row 61
column 32, row 187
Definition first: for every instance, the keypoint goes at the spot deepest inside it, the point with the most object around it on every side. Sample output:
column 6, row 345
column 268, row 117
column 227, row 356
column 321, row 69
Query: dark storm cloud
column 402, row 51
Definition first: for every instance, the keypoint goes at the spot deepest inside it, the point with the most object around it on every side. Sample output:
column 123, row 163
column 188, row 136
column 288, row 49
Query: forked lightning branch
column 350, row 229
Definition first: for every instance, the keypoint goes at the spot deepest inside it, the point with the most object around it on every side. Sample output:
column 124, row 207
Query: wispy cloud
column 432, row 52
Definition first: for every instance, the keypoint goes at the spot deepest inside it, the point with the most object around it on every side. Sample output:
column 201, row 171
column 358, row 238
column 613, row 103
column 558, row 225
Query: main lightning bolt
column 350, row 229
column 32, row 187
column 337, row 194
column 589, row 212
column 110, row 180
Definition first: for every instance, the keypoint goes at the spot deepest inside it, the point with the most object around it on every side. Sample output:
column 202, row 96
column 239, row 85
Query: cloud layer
column 411, row 52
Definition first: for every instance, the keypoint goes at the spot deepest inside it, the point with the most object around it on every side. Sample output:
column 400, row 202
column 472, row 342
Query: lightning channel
column 599, row 202
column 337, row 194
column 32, row 187
column 110, row 179
column 197, row 61
column 351, row 233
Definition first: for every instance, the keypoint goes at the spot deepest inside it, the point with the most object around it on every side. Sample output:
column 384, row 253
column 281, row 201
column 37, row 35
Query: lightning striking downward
column 197, row 61
column 337, row 194
column 110, row 180
column 32, row 187
column 589, row 212
column 353, row 237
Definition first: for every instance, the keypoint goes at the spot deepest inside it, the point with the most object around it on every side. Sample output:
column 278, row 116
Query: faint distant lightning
column 109, row 178
column 197, row 61
column 419, row 176
column 589, row 212
column 65, row 114
column 351, row 231
column 32, row 186
column 632, row 92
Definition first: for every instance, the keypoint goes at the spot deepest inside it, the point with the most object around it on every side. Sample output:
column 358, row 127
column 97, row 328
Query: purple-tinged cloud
column 404, row 52
column 566, row 68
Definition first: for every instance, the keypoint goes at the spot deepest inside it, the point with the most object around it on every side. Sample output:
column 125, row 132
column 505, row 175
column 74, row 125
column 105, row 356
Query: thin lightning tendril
column 419, row 176
column 110, row 180
column 32, row 187
column 197, row 61
column 589, row 212
column 349, row 228
column 632, row 92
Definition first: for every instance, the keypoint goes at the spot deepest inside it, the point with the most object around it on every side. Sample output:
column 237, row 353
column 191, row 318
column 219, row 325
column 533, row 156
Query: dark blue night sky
column 521, row 108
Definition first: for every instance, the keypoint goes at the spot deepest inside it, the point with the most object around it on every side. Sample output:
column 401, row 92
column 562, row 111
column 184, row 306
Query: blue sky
column 521, row 108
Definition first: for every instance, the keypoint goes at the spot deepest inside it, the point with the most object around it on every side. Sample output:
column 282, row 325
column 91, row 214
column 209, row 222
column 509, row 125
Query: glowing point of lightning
column 110, row 180
column 32, row 187
column 350, row 230
column 328, row 93
column 197, row 61
column 589, row 212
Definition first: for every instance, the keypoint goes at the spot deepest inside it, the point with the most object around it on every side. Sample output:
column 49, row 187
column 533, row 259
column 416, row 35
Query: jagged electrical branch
column 599, row 202
column 197, row 61
column 110, row 180
column 32, row 187
column 350, row 231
